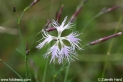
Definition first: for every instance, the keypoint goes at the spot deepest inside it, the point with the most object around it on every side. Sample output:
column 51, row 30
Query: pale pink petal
column 67, row 54
column 47, row 39
column 73, row 40
column 54, row 52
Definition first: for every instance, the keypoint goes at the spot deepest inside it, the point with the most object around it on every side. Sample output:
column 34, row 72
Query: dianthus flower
column 59, row 50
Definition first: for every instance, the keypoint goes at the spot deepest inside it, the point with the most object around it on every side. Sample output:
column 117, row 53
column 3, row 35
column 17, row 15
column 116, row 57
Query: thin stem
column 105, row 66
column 45, row 70
column 12, row 69
column 90, row 21
column 20, row 34
column 16, row 18
column 53, row 79
column 26, row 60
column 34, row 40
column 107, row 59
column 109, row 50
column 100, row 13
column 19, row 20
column 59, row 71
column 36, row 76
column 66, row 74
column 70, row 80
column 85, row 45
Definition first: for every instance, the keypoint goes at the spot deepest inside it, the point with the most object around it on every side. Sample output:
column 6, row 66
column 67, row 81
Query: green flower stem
column 36, row 75
column 54, row 77
column 109, row 50
column 23, row 51
column 34, row 40
column 19, row 20
column 66, row 74
column 20, row 34
column 26, row 60
column 26, row 57
column 11, row 69
column 85, row 45
column 45, row 70
column 16, row 18
column 91, row 21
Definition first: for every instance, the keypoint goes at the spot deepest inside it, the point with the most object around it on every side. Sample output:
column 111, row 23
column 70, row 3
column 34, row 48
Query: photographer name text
column 110, row 79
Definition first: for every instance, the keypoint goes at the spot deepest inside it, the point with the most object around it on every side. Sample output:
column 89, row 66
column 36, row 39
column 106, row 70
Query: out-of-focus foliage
column 91, row 61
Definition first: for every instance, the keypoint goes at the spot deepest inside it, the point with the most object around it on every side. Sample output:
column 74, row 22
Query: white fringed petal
column 62, row 52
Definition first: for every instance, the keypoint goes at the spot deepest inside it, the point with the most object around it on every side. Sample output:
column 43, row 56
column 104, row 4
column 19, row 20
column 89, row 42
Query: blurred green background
column 92, row 59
